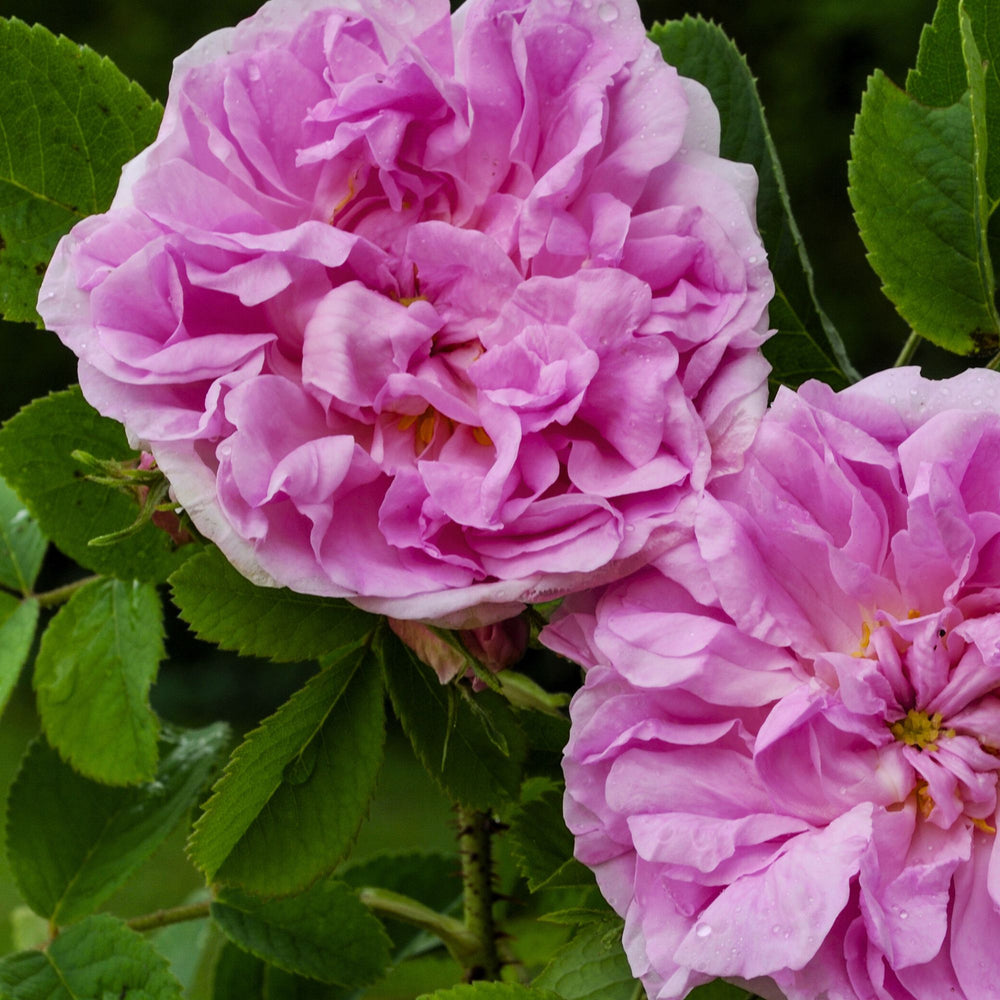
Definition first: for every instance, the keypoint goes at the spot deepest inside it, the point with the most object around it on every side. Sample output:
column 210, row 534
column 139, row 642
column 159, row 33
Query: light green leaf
column 95, row 665
column 98, row 957
column 325, row 933
column 490, row 991
column 592, row 966
column 71, row 842
column 224, row 607
column 473, row 752
column 22, row 544
column 18, row 621
column 292, row 797
column 806, row 344
column 35, row 459
column 918, row 183
column 70, row 120
column 543, row 847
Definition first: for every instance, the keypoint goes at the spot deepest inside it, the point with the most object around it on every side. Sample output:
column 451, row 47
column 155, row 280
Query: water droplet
column 253, row 71
column 751, row 260
column 903, row 914
column 776, row 929
column 702, row 929
column 607, row 12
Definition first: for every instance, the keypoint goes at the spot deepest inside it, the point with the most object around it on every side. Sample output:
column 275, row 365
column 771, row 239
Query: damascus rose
column 438, row 313
column 783, row 765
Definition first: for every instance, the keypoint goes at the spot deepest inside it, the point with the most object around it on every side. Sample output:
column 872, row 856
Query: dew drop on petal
column 253, row 71
column 607, row 12
column 702, row 929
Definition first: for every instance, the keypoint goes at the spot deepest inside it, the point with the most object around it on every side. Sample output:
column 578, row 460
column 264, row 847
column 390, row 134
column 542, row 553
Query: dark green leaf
column 89, row 961
column 95, row 665
column 431, row 879
column 292, row 797
column 460, row 744
column 918, row 184
column 806, row 345
column 592, row 966
column 490, row 991
column 325, row 933
column 71, row 119
column 224, row 607
column 22, row 544
column 35, row 459
column 543, row 847
column 241, row 976
column 71, row 842
column 18, row 621
column 719, row 990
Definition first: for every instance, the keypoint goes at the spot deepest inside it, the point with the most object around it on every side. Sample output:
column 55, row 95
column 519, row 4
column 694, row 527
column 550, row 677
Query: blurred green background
column 811, row 60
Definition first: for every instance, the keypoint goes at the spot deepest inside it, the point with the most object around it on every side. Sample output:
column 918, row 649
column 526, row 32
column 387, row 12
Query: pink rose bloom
column 783, row 765
column 438, row 313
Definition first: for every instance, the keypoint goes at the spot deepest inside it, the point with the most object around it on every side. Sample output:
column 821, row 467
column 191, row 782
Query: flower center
column 918, row 729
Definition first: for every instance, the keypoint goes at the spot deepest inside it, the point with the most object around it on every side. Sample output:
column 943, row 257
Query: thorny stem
column 909, row 349
column 50, row 598
column 175, row 915
column 474, row 832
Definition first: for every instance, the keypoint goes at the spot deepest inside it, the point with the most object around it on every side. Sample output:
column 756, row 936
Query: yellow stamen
column 407, row 421
column 919, row 729
column 925, row 804
column 481, row 436
column 866, row 638
column 426, row 426
column 984, row 826
column 347, row 197
column 912, row 613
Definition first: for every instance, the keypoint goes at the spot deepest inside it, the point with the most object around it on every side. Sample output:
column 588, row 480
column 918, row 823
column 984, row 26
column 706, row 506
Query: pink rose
column 438, row 313
column 783, row 765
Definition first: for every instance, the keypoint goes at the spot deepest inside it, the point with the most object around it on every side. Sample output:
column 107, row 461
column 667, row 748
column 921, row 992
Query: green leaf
column 241, row 976
column 543, row 847
column 292, row 797
column 806, row 344
column 461, row 743
column 325, row 933
column 71, row 842
column 490, row 991
column 95, row 665
column 35, row 459
column 18, row 621
column 22, row 544
column 93, row 959
column 592, row 966
column 719, row 990
column 224, row 607
column 431, row 879
column 70, row 120
column 918, row 183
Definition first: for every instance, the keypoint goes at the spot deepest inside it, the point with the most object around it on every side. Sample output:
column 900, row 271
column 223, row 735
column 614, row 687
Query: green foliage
column 719, row 990
column 93, row 960
column 22, row 544
column 471, row 745
column 292, row 797
column 74, row 120
column 806, row 344
column 325, row 933
column 35, row 458
column 921, row 184
column 18, row 621
column 431, row 879
column 490, row 991
column 542, row 846
column 95, row 665
column 223, row 606
column 592, row 966
column 71, row 842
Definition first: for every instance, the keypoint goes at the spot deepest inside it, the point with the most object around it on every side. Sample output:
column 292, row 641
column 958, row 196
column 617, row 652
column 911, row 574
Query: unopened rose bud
column 497, row 646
